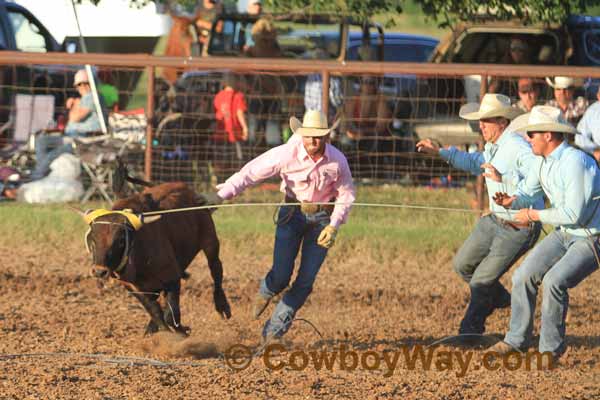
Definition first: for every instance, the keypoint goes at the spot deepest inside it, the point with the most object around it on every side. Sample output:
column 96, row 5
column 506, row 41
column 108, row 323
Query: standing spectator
column 498, row 240
column 564, row 91
column 313, row 89
column 230, row 110
column 312, row 172
column 254, row 8
column 589, row 129
column 568, row 254
column 529, row 94
column 267, row 89
column 83, row 120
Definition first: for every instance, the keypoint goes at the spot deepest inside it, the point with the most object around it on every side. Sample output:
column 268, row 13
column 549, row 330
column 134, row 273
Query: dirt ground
column 64, row 336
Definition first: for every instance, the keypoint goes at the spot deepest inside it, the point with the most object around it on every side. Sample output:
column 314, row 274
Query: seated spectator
column 83, row 120
column 529, row 94
column 231, row 128
column 589, row 128
column 264, row 35
column 564, row 91
column 365, row 131
column 518, row 52
column 108, row 91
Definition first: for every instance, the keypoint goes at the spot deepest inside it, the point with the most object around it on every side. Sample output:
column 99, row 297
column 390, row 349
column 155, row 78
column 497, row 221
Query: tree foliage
column 444, row 12
column 448, row 12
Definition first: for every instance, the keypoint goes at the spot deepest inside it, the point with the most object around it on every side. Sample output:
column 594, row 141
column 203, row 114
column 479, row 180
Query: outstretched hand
column 428, row 146
column 503, row 199
column 491, row 172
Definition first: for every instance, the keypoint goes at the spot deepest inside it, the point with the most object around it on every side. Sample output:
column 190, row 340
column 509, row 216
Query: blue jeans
column 559, row 262
column 490, row 251
column 47, row 149
column 299, row 230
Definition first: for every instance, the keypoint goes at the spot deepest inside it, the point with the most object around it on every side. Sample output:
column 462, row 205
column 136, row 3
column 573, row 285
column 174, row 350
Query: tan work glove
column 210, row 199
column 327, row 237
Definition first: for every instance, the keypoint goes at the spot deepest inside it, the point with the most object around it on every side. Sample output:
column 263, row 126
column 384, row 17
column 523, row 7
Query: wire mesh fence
column 383, row 110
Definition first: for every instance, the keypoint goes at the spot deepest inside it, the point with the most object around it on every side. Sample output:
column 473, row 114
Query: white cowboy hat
column 547, row 119
column 314, row 123
column 492, row 105
column 80, row 77
column 517, row 124
column 562, row 82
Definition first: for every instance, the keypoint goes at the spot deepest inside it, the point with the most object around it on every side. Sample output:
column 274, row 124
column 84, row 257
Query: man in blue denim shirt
column 571, row 180
column 497, row 240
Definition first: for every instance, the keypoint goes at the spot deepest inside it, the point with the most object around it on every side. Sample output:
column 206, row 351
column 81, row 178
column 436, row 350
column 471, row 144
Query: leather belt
column 512, row 224
column 310, row 208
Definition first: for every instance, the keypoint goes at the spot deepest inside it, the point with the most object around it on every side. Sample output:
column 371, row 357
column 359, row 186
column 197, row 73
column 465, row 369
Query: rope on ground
column 128, row 360
column 380, row 205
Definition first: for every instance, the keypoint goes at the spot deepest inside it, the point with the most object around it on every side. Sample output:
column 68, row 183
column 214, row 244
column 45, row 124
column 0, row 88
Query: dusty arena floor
column 64, row 336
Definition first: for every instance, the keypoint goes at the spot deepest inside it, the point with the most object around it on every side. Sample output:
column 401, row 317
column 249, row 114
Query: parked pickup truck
column 575, row 42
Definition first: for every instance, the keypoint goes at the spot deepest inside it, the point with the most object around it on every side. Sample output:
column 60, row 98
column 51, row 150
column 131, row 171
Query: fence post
column 480, row 189
column 325, row 93
column 149, row 128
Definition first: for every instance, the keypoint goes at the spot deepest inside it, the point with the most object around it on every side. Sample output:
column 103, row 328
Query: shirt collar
column 557, row 152
column 303, row 155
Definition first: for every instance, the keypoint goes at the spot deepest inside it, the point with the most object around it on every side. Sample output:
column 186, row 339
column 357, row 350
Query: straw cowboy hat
column 547, row 119
column 492, row 105
column 562, row 82
column 314, row 123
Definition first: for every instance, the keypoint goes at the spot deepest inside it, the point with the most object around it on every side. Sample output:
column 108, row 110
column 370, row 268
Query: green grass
column 379, row 229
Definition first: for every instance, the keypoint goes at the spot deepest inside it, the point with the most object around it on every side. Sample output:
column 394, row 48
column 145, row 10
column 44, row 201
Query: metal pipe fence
column 384, row 108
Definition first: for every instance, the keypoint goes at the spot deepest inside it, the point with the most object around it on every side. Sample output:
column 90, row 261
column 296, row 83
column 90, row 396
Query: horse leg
column 150, row 303
column 216, row 271
column 172, row 314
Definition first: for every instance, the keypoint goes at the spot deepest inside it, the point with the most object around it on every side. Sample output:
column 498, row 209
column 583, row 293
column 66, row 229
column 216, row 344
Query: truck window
column 591, row 43
column 28, row 34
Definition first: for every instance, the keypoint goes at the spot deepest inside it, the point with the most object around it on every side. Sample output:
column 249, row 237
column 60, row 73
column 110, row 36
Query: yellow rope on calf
column 134, row 219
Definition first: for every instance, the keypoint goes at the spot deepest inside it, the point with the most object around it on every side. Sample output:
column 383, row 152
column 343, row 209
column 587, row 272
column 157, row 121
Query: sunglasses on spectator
column 531, row 133
column 518, row 48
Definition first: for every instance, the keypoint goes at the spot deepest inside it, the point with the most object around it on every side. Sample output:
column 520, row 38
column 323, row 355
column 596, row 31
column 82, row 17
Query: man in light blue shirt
column 571, row 180
column 497, row 240
column 589, row 129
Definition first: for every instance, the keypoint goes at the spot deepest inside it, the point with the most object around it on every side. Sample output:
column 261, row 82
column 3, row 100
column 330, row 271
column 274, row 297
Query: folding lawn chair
column 98, row 154
column 31, row 114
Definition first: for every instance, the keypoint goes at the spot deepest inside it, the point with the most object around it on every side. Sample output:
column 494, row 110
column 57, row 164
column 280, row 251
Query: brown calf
column 152, row 260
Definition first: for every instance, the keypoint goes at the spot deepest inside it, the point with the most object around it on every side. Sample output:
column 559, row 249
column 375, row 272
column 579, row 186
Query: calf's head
column 110, row 238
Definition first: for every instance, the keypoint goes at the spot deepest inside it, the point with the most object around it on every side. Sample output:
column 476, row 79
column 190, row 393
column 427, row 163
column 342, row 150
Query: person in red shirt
column 231, row 128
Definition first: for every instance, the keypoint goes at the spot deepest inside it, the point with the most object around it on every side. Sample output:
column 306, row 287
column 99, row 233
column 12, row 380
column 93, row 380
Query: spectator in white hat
column 564, row 91
column 83, row 120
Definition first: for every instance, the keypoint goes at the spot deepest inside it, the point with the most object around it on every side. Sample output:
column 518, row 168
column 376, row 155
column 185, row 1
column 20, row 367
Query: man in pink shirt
column 312, row 171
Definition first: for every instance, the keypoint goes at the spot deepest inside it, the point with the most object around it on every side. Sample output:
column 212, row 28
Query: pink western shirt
column 302, row 178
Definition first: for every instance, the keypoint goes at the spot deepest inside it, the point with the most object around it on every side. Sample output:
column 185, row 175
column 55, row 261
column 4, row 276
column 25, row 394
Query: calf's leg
column 172, row 314
column 150, row 303
column 216, row 271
